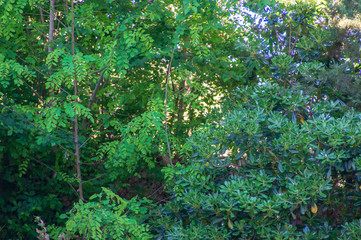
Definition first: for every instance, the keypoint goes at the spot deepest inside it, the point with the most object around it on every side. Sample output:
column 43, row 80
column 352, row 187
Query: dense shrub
column 275, row 165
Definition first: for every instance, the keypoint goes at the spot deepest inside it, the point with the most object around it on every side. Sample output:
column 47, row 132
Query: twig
column 294, row 44
column 154, row 192
column 57, row 19
column 221, row 166
column 32, row 27
column 95, row 131
column 94, row 178
column 277, row 35
column 165, row 104
column 92, row 98
column 96, row 71
column 271, row 76
column 44, row 164
column 41, row 99
column 37, row 70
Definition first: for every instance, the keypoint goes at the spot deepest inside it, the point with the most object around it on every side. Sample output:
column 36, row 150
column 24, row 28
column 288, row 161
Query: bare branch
column 96, row 89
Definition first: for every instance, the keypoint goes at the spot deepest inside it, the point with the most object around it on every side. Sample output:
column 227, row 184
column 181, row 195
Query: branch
column 52, row 169
column 221, row 166
column 165, row 104
column 92, row 179
column 271, row 76
column 57, row 20
column 32, row 27
column 41, row 99
column 95, row 131
column 42, row 74
column 289, row 41
column 92, row 98
column 96, row 71
column 96, row 89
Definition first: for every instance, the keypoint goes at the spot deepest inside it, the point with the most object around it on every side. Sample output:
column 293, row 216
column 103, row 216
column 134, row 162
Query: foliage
column 82, row 94
column 273, row 166
column 106, row 217
column 300, row 44
column 142, row 139
column 84, row 110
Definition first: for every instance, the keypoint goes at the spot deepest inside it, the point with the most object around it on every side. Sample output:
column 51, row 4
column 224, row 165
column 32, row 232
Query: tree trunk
column 76, row 127
column 51, row 25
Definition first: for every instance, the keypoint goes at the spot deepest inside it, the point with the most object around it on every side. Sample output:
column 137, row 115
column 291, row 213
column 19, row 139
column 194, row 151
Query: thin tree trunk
column 181, row 102
column 182, row 89
column 72, row 29
column 51, row 25
column 76, row 128
column 41, row 15
column 51, row 38
column 165, row 107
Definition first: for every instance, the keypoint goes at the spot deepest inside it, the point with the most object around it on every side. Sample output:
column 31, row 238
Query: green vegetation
column 180, row 119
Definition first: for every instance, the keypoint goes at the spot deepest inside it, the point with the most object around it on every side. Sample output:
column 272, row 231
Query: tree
column 83, row 87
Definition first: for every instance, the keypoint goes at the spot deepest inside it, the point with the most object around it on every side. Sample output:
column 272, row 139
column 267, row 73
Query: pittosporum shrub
column 274, row 164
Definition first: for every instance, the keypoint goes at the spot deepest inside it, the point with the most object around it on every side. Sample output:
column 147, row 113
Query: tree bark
column 51, row 25
column 75, row 122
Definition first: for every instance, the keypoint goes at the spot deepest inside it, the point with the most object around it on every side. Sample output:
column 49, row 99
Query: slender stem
column 41, row 15
column 43, row 74
column 32, row 27
column 165, row 104
column 57, row 19
column 289, row 41
column 72, row 29
column 296, row 38
column 76, row 127
column 92, row 98
column 36, row 93
column 96, row 130
column 51, row 25
column 52, row 169
column 96, row 89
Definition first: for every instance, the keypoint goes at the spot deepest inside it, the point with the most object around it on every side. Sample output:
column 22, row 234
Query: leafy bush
column 106, row 217
column 276, row 165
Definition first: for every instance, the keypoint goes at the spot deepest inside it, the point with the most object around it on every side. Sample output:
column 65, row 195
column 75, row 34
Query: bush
column 106, row 217
column 275, row 165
